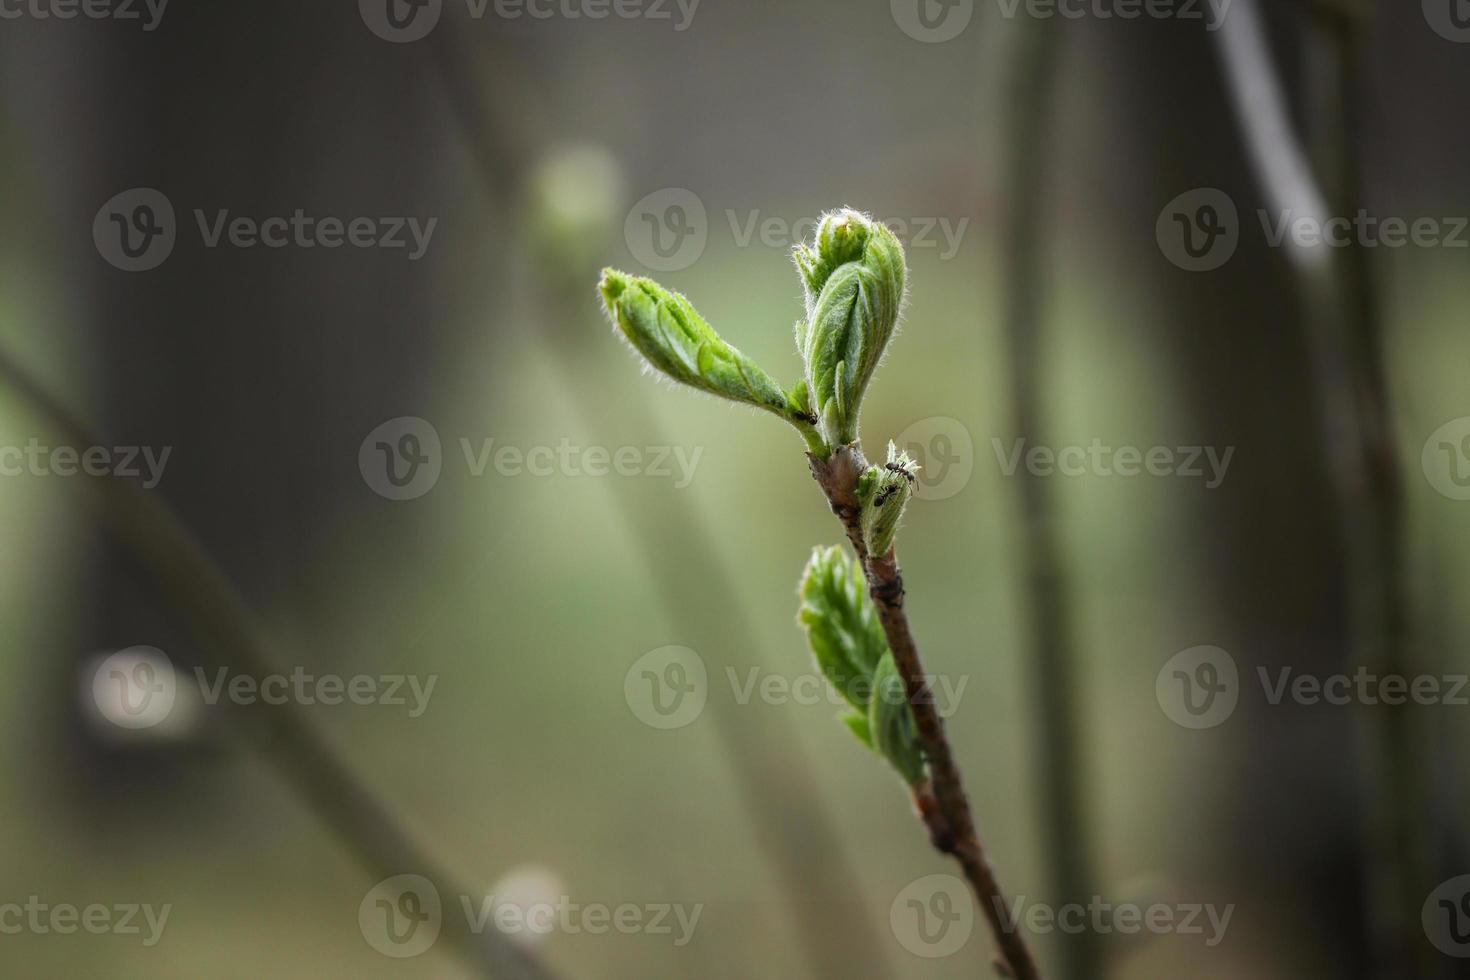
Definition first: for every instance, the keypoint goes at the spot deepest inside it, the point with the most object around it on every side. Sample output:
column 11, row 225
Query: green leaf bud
column 883, row 493
column 853, row 275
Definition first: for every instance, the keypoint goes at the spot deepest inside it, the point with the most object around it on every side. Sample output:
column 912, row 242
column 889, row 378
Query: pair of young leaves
column 853, row 280
column 853, row 276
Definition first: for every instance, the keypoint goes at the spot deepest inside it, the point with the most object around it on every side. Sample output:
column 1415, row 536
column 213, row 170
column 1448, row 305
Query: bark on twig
column 949, row 821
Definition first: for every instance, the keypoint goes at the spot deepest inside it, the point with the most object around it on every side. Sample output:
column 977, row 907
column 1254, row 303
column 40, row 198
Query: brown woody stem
column 941, row 800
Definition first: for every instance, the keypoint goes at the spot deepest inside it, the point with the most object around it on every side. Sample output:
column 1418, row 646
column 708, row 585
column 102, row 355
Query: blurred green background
column 530, row 598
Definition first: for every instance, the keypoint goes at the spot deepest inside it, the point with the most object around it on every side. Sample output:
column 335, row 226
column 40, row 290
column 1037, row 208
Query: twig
column 231, row 635
column 948, row 819
column 1031, row 101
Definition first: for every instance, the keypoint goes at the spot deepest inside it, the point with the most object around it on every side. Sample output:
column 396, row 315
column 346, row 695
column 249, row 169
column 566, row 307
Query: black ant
column 883, row 495
column 896, row 468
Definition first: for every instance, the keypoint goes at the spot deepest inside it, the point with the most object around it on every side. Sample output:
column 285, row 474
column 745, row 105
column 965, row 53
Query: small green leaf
column 891, row 722
column 842, row 626
column 673, row 338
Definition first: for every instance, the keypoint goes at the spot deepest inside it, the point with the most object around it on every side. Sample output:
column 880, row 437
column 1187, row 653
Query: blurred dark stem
column 1398, row 789
column 1345, row 333
column 790, row 820
column 949, row 821
column 230, row 636
column 1030, row 105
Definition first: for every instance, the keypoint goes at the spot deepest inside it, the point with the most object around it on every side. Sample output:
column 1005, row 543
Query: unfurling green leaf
column 853, row 276
column 848, row 643
column 674, row 339
column 891, row 722
column 842, row 627
column 883, row 493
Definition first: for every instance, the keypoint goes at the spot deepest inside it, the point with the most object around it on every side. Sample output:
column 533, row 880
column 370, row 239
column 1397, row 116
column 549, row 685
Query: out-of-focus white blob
column 537, row 894
column 136, row 695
